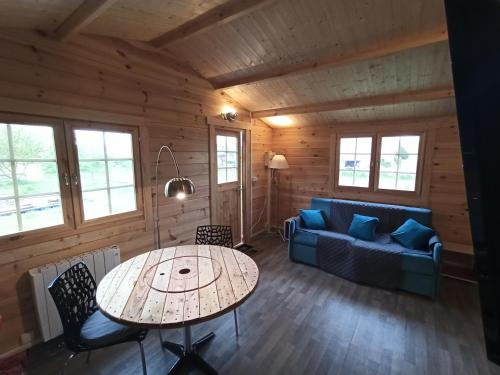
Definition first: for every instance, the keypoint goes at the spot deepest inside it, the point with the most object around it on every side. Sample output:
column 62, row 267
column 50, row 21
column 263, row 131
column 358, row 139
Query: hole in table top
column 184, row 271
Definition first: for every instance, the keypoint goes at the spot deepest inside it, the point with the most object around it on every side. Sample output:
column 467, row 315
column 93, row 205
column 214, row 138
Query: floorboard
column 302, row 320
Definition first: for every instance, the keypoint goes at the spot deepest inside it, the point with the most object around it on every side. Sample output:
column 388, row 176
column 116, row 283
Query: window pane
column 8, row 217
column 90, row 144
column 232, row 160
column 95, row 204
column 347, row 145
column 348, row 161
column 232, row 174
column 118, row 145
column 388, row 163
column 232, row 144
column 410, row 143
column 346, row 178
column 41, row 212
column 408, row 163
column 6, row 184
column 400, row 157
column 221, row 160
column 364, row 145
column 406, row 181
column 93, row 175
column 33, row 142
column 29, row 176
column 4, row 142
column 221, row 143
column 363, row 162
column 387, row 180
column 121, row 172
column 37, row 178
column 221, row 175
column 123, row 200
column 361, row 178
column 101, row 178
column 390, row 145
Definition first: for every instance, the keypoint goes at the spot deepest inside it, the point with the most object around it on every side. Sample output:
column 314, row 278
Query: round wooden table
column 178, row 287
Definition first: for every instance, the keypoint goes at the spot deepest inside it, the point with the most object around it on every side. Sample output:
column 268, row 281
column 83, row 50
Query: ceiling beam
column 225, row 12
column 326, row 62
column 81, row 17
column 369, row 101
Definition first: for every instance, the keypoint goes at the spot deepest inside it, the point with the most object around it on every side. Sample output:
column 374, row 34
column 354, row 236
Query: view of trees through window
column 355, row 160
column 106, row 165
column 29, row 180
column 398, row 162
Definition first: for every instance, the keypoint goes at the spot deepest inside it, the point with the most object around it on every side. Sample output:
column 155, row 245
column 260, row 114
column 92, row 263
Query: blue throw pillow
column 313, row 219
column 413, row 235
column 363, row 227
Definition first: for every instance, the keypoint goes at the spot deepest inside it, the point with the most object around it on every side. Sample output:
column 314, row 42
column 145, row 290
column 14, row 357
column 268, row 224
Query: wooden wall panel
column 261, row 142
column 107, row 81
column 310, row 153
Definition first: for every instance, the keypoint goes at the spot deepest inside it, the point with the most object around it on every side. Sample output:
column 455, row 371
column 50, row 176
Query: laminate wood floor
column 302, row 320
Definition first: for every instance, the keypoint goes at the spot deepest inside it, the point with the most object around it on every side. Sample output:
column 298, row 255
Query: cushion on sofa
column 313, row 219
column 413, row 235
column 363, row 227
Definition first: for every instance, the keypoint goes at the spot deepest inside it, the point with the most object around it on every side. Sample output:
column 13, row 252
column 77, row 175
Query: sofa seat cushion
column 98, row 330
column 309, row 237
column 305, row 237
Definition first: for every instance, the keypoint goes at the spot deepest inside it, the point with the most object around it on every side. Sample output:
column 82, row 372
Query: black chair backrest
column 74, row 292
column 220, row 235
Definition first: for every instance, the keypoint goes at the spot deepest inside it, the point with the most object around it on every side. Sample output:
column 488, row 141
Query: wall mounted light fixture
column 229, row 113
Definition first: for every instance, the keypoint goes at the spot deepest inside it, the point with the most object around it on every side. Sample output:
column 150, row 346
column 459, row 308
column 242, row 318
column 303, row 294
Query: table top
column 177, row 286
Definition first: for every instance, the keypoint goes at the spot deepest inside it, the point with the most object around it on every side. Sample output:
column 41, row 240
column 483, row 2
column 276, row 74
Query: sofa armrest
column 294, row 224
column 437, row 249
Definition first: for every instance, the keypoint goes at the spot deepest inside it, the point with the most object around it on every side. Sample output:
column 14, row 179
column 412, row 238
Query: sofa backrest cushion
column 339, row 214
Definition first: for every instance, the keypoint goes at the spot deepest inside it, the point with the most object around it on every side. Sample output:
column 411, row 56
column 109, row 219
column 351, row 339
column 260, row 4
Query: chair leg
column 88, row 357
column 236, row 323
column 71, row 356
column 161, row 340
column 143, row 359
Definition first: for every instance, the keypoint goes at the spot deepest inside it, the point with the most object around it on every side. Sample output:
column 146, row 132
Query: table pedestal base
column 188, row 353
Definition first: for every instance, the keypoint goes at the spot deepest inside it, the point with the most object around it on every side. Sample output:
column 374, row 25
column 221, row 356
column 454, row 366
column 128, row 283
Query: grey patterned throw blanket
column 360, row 262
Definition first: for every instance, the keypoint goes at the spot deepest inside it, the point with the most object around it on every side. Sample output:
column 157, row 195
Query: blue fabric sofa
column 420, row 269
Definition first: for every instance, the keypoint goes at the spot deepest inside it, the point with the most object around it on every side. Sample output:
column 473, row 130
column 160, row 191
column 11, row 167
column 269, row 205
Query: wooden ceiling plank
column 81, row 17
column 363, row 102
column 326, row 62
column 223, row 13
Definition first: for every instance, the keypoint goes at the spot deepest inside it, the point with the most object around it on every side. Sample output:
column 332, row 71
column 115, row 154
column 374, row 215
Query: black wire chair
column 219, row 235
column 85, row 327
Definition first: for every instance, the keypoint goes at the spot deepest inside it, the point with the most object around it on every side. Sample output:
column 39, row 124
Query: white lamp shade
column 278, row 162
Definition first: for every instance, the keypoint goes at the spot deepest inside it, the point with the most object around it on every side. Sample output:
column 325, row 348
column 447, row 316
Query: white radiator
column 99, row 262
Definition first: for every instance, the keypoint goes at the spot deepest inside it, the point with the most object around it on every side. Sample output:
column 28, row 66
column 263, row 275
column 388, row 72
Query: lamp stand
column 156, row 229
